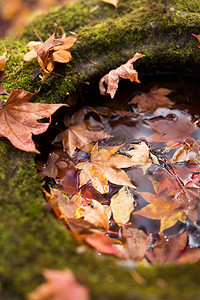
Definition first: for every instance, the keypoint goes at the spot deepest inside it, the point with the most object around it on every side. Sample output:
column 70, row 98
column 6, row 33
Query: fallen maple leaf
column 174, row 128
column 135, row 243
column 163, row 209
column 51, row 51
column 122, row 204
column 142, row 156
column 79, row 134
column 125, row 71
column 60, row 285
column 18, row 119
column 105, row 165
column 167, row 251
column 152, row 100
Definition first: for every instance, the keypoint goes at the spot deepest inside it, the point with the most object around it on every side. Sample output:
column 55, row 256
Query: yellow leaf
column 122, row 204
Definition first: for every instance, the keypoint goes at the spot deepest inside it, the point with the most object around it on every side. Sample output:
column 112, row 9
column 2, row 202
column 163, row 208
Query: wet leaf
column 165, row 251
column 125, row 71
column 152, row 100
column 189, row 151
column 174, row 129
column 142, row 156
column 122, row 204
column 161, row 208
column 79, row 133
column 135, row 243
column 105, row 165
column 60, row 285
column 18, row 119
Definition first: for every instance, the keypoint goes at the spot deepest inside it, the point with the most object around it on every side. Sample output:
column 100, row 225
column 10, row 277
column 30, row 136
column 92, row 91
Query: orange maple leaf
column 163, row 209
column 18, row 119
column 105, row 165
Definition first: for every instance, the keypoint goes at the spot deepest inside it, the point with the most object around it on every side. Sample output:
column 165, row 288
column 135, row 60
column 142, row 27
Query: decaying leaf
column 125, row 71
column 51, row 51
column 105, row 165
column 122, row 204
column 80, row 133
column 167, row 251
column 18, row 119
column 163, row 209
column 152, row 100
column 113, row 2
column 142, row 156
column 60, row 285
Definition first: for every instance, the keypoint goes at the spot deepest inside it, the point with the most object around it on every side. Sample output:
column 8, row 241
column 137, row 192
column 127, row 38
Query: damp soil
column 128, row 127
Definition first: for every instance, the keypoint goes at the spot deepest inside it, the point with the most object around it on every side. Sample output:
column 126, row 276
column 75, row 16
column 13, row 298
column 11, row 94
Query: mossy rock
column 31, row 237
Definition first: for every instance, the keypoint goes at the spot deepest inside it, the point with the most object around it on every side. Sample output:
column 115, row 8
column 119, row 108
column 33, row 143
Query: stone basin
column 33, row 239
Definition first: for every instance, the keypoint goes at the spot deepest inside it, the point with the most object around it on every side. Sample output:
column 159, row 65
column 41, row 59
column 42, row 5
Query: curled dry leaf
column 18, row 119
column 60, row 285
column 152, row 100
column 105, row 165
column 122, row 204
column 51, row 51
column 125, row 71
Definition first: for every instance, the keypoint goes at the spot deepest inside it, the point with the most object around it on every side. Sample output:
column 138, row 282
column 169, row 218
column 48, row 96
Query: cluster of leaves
column 103, row 192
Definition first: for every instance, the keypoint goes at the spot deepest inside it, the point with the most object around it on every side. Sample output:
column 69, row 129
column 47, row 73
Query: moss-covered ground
column 31, row 237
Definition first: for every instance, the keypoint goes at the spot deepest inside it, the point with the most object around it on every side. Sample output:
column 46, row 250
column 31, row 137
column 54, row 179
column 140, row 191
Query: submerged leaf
column 152, row 100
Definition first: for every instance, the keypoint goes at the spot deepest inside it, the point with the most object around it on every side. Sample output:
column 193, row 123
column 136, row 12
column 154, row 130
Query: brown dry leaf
column 51, row 51
column 152, row 100
column 79, row 134
column 95, row 214
column 18, row 119
column 125, row 71
column 60, row 285
column 122, row 204
column 163, row 209
column 167, row 251
column 105, row 165
column 189, row 255
column 113, row 2
column 174, row 129
column 142, row 156
column 135, row 243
